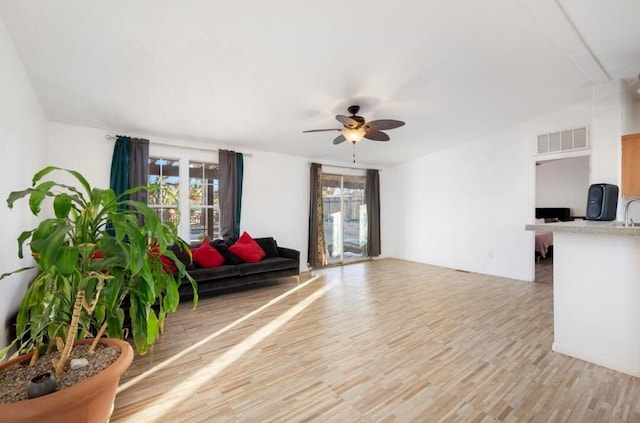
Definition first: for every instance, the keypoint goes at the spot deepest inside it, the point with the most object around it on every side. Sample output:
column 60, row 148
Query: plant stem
column 71, row 336
column 94, row 344
column 36, row 354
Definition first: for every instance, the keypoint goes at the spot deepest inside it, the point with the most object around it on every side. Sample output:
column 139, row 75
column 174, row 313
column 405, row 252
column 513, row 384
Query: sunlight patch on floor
column 193, row 383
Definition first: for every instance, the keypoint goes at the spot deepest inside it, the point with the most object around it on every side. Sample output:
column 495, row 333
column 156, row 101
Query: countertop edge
column 586, row 227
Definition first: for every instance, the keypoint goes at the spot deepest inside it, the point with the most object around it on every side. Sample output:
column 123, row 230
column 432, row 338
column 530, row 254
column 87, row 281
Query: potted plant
column 103, row 268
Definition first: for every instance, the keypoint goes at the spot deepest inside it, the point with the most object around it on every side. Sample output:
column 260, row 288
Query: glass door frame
column 337, row 232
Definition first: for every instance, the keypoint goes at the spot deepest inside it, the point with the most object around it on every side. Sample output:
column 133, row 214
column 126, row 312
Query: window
column 164, row 174
column 195, row 208
column 204, row 205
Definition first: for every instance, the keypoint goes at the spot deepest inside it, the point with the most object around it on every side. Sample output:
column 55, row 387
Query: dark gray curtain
column 230, row 180
column 316, row 251
column 139, row 168
column 372, row 200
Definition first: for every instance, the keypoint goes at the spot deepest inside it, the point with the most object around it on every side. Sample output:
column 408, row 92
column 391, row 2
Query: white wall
column 23, row 135
column 390, row 213
column 83, row 149
column 466, row 207
column 630, row 109
column 606, row 133
column 275, row 200
column 563, row 183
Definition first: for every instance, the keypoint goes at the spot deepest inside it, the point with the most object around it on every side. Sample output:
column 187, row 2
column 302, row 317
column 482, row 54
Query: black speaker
column 602, row 202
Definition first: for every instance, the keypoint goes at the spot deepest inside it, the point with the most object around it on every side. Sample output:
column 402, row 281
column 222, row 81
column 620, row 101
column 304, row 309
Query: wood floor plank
column 383, row 341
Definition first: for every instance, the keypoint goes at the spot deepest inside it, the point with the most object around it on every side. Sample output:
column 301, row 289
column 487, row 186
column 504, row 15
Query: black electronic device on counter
column 602, row 202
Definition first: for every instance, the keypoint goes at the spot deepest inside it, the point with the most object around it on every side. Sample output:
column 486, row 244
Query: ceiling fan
column 356, row 128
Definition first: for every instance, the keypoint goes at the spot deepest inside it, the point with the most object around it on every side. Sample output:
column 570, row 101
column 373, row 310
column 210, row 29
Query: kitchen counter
column 596, row 292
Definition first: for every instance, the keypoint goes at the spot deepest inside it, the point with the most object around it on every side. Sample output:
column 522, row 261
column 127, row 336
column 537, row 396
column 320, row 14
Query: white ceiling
column 255, row 74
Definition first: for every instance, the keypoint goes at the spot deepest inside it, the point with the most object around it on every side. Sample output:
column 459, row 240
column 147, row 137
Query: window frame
column 162, row 206
column 183, row 155
column 215, row 232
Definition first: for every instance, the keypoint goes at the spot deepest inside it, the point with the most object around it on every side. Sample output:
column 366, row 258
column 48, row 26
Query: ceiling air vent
column 561, row 141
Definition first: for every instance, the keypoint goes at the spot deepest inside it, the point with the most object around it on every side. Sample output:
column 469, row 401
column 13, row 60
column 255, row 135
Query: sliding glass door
column 345, row 217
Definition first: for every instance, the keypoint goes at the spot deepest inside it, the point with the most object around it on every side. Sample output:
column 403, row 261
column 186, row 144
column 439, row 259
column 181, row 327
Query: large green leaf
column 35, row 200
column 115, row 322
column 22, row 269
column 67, row 260
column 62, row 205
column 42, row 173
column 53, row 245
column 16, row 195
column 172, row 297
column 100, row 313
column 153, row 330
column 139, row 318
column 40, row 192
column 98, row 195
column 21, row 239
column 47, row 170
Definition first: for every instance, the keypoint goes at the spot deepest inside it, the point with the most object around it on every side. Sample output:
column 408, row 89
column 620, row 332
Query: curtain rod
column 112, row 137
column 346, row 167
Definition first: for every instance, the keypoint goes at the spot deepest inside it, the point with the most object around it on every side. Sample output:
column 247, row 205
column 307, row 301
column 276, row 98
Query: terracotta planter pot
column 89, row 401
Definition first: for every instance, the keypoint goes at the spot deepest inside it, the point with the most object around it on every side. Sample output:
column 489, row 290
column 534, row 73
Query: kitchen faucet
column 627, row 220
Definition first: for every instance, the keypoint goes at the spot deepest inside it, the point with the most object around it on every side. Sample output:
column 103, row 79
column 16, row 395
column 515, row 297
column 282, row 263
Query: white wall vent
column 567, row 140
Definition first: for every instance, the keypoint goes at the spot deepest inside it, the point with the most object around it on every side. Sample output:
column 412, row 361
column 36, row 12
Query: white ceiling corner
column 553, row 18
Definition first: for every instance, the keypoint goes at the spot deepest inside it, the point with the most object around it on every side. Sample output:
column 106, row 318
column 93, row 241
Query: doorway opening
column 562, row 184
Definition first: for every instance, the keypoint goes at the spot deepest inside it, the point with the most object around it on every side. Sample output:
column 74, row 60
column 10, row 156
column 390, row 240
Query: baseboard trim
column 596, row 359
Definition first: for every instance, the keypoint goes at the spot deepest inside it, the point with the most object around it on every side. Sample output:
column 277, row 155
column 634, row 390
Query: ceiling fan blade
column 384, row 124
column 321, row 130
column 375, row 135
column 339, row 139
column 347, row 121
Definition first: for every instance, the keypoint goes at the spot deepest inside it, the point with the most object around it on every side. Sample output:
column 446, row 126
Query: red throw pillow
column 207, row 256
column 247, row 249
column 167, row 264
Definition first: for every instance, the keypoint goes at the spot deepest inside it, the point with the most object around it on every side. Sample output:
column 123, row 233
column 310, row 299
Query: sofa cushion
column 183, row 256
column 229, row 257
column 220, row 272
column 247, row 249
column 269, row 246
column 266, row 265
column 206, row 256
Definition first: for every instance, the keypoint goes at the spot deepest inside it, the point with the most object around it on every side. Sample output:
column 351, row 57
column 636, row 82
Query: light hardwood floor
column 387, row 340
column 544, row 270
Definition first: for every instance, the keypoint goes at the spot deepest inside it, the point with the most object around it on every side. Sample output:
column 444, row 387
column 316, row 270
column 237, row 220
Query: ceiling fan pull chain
column 354, row 152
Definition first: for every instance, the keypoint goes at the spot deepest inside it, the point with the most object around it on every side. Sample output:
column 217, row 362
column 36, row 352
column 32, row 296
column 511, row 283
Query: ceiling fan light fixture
column 353, row 135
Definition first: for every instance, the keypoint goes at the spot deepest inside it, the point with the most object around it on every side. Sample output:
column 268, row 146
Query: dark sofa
column 279, row 262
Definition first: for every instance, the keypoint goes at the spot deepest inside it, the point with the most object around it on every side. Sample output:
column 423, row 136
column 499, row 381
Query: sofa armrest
column 289, row 253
